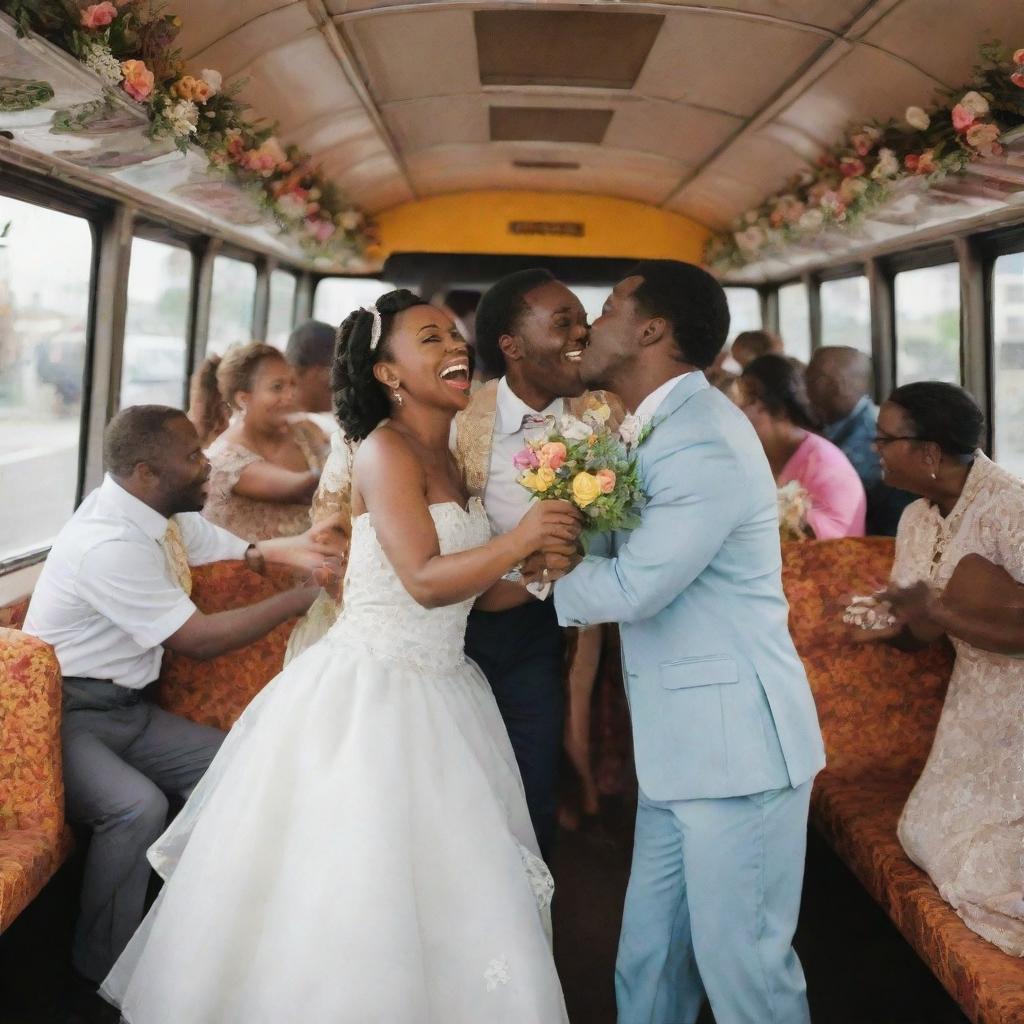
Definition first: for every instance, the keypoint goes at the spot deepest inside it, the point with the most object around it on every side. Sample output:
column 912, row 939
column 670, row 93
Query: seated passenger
column 207, row 410
column 265, row 466
column 838, row 386
column 963, row 822
column 114, row 592
column 750, row 345
column 310, row 350
column 772, row 394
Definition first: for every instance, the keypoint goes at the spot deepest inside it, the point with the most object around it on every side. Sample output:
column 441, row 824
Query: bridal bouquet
column 583, row 461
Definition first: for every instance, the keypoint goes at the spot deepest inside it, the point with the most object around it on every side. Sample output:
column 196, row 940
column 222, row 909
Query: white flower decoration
column 812, row 220
column 975, row 103
column 102, row 62
column 183, row 116
column 917, row 118
column 213, row 79
column 573, row 429
column 888, row 165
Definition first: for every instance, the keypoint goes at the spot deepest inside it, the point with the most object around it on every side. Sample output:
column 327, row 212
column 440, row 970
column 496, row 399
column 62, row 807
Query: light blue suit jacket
column 719, row 699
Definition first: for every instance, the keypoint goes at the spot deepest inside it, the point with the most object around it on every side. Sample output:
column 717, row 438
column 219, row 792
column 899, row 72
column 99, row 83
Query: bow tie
column 536, row 420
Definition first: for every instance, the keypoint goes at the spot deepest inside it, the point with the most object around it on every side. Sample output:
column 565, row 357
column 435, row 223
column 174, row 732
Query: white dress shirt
column 106, row 599
column 505, row 499
column 648, row 408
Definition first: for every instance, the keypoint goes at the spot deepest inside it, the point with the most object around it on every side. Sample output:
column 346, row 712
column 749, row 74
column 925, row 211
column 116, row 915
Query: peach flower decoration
column 1018, row 56
column 138, row 79
column 553, row 454
column 606, row 478
column 98, row 15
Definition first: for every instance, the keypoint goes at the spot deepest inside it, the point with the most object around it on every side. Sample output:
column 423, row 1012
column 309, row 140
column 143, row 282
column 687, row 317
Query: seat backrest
column 878, row 706
column 31, row 784
column 217, row 691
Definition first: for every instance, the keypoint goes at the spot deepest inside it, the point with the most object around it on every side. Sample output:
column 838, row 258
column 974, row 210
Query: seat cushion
column 858, row 816
column 217, row 691
column 876, row 705
column 31, row 784
column 28, row 860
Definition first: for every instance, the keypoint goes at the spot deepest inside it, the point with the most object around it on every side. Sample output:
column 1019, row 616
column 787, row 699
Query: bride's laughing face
column 428, row 361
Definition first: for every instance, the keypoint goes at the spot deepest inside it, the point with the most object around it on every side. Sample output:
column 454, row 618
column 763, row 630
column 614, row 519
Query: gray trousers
column 122, row 755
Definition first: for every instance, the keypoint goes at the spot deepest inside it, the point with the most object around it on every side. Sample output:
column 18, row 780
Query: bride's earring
column 396, row 396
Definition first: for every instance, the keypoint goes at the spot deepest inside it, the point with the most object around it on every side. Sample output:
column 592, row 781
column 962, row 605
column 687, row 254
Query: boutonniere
column 634, row 430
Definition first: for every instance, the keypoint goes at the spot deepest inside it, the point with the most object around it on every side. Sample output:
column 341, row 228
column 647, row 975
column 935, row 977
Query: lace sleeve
column 906, row 566
column 226, row 465
column 335, row 491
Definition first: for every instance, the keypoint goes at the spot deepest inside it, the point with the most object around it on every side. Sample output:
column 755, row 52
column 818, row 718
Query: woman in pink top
column 772, row 394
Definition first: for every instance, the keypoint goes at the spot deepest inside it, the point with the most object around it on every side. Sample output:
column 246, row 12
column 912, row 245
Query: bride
column 360, row 851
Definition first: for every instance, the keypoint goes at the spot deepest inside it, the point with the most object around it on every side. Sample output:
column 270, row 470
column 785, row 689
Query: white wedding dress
column 360, row 851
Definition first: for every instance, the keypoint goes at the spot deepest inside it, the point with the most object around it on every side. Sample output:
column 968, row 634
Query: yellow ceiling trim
column 539, row 223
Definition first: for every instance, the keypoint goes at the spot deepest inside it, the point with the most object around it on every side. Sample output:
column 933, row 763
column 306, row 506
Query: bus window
column 928, row 324
column 156, row 325
column 744, row 310
column 795, row 321
column 231, row 304
column 846, row 313
column 336, row 297
column 45, row 272
column 282, row 302
column 1008, row 364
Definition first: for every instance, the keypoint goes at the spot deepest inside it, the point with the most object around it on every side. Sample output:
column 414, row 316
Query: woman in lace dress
column 360, row 851
column 964, row 820
column 265, row 467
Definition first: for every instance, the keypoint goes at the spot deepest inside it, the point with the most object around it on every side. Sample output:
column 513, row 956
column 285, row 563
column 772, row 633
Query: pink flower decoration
column 982, row 137
column 1018, row 79
column 962, row 118
column 98, row 15
column 1018, row 56
column 321, row 230
column 862, row 143
column 851, row 167
column 910, row 162
column 606, row 478
column 526, row 459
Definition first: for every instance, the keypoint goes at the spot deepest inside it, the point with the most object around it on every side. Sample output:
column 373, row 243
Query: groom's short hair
column 691, row 301
column 499, row 311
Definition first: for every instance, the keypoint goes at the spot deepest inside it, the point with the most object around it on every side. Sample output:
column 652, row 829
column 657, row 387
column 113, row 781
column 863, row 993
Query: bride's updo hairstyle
column 360, row 400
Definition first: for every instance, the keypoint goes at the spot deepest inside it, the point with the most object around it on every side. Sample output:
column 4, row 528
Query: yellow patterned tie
column 177, row 557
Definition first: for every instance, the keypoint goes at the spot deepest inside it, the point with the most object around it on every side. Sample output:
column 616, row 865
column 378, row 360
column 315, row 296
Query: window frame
column 51, row 195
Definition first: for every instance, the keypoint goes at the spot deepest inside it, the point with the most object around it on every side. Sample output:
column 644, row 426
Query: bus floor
column 859, row 969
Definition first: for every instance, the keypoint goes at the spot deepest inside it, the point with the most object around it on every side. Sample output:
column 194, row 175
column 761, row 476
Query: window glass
column 336, row 297
column 282, row 302
column 795, row 321
column 744, row 310
column 1008, row 362
column 45, row 279
column 231, row 304
column 846, row 313
column 156, row 326
column 928, row 324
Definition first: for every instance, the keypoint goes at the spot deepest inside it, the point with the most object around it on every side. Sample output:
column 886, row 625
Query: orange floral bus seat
column 879, row 708
column 217, row 691
column 34, row 840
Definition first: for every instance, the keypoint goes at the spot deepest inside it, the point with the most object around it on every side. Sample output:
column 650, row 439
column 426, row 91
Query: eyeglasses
column 881, row 439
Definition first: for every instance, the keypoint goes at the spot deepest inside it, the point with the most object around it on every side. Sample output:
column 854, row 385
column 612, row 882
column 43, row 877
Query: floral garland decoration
column 856, row 176
column 129, row 45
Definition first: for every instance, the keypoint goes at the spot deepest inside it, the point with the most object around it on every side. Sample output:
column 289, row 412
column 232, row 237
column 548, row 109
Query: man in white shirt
column 532, row 329
column 113, row 594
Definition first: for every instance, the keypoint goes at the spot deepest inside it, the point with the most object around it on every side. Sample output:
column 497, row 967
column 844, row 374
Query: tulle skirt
column 359, row 852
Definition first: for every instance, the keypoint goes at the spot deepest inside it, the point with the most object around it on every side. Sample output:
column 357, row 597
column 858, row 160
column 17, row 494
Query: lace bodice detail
column 378, row 612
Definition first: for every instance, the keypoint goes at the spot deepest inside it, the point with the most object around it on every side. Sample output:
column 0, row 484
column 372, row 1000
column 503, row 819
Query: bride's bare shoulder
column 387, row 453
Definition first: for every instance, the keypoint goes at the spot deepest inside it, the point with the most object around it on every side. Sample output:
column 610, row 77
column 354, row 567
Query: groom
column 724, row 725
